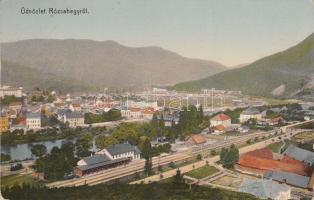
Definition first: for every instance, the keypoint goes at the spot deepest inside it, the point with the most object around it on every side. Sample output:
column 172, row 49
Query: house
column 4, row 123
column 220, row 119
column 33, row 121
column 132, row 113
column 299, row 154
column 12, row 114
column 75, row 107
column 16, row 106
column 265, row 189
column 148, row 113
column 75, row 119
column 250, row 113
column 195, row 139
column 276, row 121
column 11, row 91
column 243, row 129
column 118, row 151
column 218, row 129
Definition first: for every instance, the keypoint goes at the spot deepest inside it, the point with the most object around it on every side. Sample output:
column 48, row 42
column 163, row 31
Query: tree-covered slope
column 289, row 71
column 18, row 75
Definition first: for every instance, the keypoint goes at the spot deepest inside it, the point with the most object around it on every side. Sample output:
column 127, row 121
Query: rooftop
column 33, row 115
column 122, row 148
column 251, row 111
column 197, row 138
column 221, row 117
column 74, row 115
column 300, row 154
column 289, row 178
column 263, row 189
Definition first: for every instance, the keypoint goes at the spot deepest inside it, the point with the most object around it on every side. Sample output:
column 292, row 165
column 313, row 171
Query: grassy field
column 275, row 147
column 202, row 172
column 20, row 179
column 228, row 181
column 304, row 137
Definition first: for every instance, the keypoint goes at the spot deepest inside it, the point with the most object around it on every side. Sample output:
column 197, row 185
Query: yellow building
column 4, row 124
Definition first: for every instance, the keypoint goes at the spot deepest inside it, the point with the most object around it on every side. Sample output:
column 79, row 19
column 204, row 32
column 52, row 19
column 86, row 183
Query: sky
column 231, row 32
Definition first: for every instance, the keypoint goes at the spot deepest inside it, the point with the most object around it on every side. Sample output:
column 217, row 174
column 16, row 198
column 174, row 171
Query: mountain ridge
column 292, row 68
column 107, row 63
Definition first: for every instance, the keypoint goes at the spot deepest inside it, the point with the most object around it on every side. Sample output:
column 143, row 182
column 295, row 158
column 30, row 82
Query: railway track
column 138, row 166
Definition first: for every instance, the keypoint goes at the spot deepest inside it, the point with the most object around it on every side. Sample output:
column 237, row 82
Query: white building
column 75, row 119
column 118, row 151
column 250, row 113
column 33, row 121
column 220, row 119
column 132, row 113
column 11, row 91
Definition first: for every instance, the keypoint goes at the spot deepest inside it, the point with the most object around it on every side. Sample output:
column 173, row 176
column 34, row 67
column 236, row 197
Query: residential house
column 16, row 106
column 250, row 113
column 132, row 113
column 218, row 129
column 11, row 91
column 33, row 121
column 220, row 119
column 195, row 139
column 4, row 123
column 75, row 119
column 148, row 113
column 75, row 107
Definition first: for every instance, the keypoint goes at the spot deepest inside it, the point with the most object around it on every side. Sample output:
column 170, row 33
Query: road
column 5, row 168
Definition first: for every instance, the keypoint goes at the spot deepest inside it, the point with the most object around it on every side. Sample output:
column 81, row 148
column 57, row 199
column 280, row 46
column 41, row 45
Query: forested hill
column 283, row 74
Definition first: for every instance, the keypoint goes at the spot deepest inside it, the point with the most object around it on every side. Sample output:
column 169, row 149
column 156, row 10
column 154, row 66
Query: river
column 23, row 151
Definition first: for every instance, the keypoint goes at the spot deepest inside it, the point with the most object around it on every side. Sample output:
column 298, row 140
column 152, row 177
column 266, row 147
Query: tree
column 50, row 98
column 39, row 150
column 154, row 125
column 148, row 166
column 83, row 143
column 103, row 141
column 59, row 162
column 199, row 157
column 5, row 157
column 229, row 157
column 178, row 178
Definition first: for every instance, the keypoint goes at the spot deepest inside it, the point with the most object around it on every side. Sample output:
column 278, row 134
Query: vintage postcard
column 157, row 99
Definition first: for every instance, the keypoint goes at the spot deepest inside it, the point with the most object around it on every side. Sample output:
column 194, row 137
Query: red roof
column 286, row 165
column 135, row 109
column 221, row 117
column 219, row 128
column 197, row 138
column 261, row 153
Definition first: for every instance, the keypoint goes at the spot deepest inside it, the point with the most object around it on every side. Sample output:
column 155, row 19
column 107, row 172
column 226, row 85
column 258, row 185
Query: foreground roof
column 289, row 178
column 263, row 189
column 266, row 164
column 300, row 154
